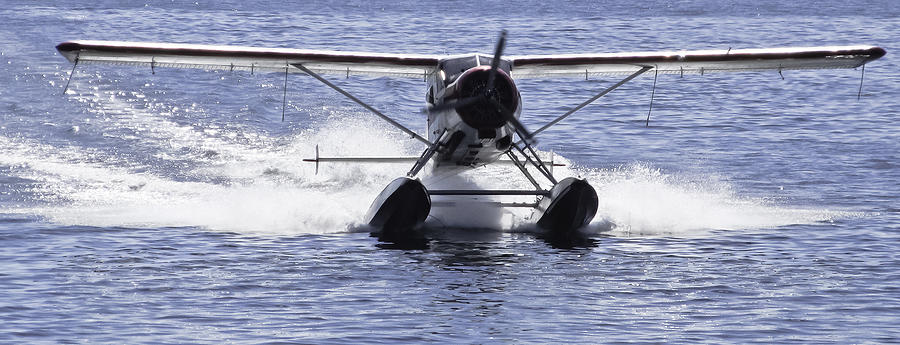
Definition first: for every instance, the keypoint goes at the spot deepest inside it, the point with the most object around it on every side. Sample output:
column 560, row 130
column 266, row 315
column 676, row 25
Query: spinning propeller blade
column 495, row 63
column 489, row 91
column 452, row 105
column 490, row 95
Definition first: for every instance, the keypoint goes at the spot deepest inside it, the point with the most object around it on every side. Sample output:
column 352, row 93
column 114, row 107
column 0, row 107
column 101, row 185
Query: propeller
column 490, row 96
column 460, row 103
column 495, row 63
column 523, row 132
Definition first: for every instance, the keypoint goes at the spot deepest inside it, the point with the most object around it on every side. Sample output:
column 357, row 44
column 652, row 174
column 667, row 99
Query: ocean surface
column 174, row 207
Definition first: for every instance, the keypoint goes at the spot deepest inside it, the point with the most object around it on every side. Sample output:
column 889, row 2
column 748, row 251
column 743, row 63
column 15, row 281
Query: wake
column 272, row 192
column 239, row 180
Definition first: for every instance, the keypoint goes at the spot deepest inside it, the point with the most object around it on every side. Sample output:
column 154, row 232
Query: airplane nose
column 485, row 113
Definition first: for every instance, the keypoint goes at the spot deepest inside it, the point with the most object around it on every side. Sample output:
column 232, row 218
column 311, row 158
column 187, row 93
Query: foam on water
column 230, row 183
column 272, row 192
column 241, row 180
column 268, row 190
column 638, row 199
column 136, row 153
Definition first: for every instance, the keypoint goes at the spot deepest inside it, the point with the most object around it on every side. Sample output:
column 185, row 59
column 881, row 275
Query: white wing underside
column 693, row 62
column 236, row 58
column 213, row 57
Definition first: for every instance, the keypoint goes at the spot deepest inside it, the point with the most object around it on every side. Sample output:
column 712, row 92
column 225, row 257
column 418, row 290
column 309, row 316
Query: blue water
column 173, row 207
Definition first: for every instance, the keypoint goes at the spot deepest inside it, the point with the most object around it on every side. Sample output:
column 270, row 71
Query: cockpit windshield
column 454, row 67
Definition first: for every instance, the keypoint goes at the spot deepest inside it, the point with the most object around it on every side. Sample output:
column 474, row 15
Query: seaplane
column 472, row 109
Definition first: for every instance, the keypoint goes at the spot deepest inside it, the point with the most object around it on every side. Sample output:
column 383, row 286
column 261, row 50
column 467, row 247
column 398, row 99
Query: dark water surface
column 173, row 208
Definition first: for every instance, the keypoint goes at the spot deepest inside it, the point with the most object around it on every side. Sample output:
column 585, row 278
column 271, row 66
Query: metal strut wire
column 71, row 74
column 284, row 94
column 518, row 163
column 653, row 93
column 591, row 100
column 363, row 104
column 534, row 160
column 861, row 78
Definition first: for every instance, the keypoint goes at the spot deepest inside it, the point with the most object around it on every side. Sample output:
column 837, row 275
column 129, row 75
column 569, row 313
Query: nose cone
column 485, row 113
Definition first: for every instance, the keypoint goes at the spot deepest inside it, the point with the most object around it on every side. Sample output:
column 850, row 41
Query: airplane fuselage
column 477, row 133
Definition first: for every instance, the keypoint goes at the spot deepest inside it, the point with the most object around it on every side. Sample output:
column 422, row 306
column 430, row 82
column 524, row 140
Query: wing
column 218, row 57
column 694, row 62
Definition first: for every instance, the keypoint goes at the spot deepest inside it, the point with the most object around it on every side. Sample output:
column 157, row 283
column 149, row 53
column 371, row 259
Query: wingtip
column 877, row 52
column 874, row 53
column 68, row 46
column 68, row 49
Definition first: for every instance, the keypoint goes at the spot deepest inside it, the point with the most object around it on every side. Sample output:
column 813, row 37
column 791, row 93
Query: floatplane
column 473, row 108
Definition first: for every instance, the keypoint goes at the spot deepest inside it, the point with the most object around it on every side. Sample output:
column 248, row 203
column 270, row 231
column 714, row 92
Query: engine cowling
column 484, row 114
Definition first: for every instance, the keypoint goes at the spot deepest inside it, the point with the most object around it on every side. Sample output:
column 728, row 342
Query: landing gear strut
column 398, row 213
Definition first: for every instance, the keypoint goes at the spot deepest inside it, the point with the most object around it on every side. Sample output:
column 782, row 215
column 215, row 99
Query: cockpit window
column 454, row 67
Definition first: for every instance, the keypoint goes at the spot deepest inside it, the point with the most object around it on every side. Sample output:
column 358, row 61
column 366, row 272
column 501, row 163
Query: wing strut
column 861, row 78
column 358, row 101
column 653, row 93
column 430, row 151
column 79, row 54
column 592, row 99
column 284, row 94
